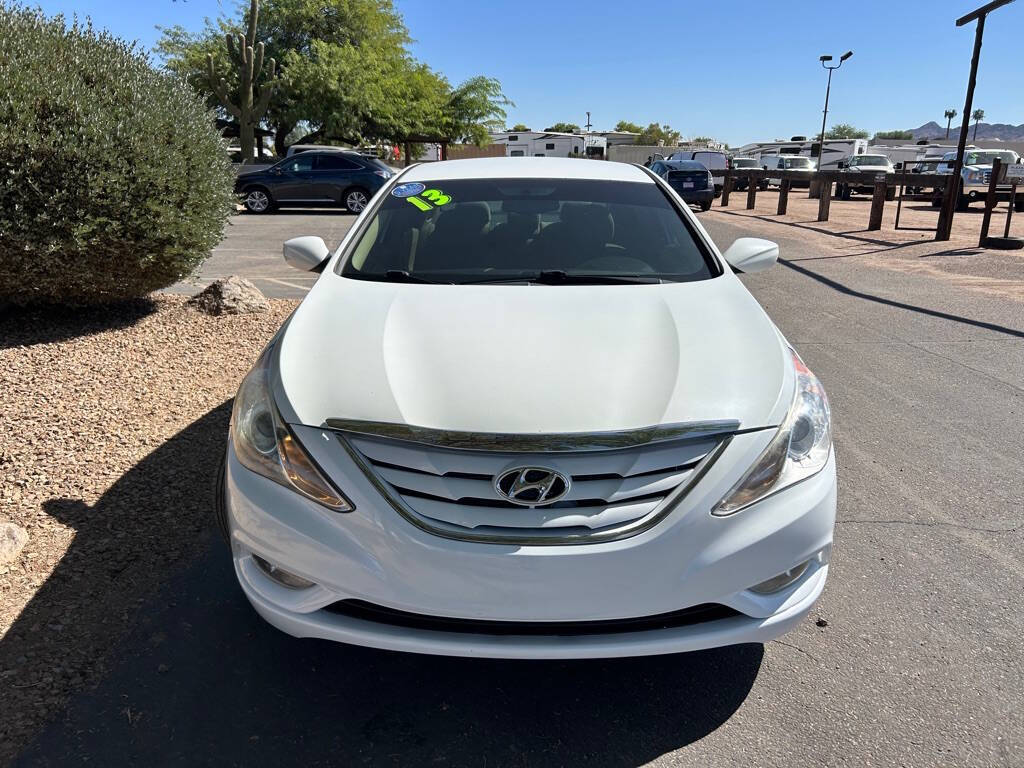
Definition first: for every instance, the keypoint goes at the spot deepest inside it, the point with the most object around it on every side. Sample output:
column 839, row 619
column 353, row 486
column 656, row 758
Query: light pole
column 949, row 200
column 828, row 88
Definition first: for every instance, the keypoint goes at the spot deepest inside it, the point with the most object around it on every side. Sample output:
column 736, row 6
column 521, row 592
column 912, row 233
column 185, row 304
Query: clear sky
column 740, row 71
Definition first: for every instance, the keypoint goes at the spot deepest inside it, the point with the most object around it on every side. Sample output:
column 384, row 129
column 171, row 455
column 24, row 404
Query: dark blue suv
column 330, row 177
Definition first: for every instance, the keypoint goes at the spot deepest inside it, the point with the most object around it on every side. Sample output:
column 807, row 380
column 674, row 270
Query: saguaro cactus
column 252, row 99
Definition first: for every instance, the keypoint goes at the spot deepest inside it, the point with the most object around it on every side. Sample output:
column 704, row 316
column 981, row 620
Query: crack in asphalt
column 796, row 648
column 935, row 524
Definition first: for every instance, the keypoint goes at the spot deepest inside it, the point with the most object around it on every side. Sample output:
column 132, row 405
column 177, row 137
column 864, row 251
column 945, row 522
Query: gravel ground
column 98, row 471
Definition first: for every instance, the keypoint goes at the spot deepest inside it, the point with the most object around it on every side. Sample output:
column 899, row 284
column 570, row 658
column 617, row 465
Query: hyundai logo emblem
column 531, row 486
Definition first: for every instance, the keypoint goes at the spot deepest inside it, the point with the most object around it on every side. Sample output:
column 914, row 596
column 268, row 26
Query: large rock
column 230, row 296
column 12, row 539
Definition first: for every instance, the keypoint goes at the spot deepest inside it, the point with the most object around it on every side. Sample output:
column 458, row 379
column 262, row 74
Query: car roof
column 526, row 168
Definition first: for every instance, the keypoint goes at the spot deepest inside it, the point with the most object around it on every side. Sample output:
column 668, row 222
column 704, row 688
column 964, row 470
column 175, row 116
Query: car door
column 335, row 173
column 294, row 180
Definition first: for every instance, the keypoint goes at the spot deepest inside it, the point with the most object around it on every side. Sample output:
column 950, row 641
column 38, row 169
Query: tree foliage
column 656, row 134
column 899, row 135
column 628, row 127
column 845, row 131
column 519, row 127
column 346, row 74
column 563, row 128
column 113, row 180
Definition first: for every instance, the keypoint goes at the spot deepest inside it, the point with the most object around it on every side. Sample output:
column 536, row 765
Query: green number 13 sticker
column 435, row 196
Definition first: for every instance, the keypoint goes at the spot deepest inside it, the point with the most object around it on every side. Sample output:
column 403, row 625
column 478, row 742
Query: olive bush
column 113, row 179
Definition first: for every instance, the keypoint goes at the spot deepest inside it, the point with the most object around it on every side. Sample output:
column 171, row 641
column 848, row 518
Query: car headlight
column 799, row 449
column 975, row 176
column 264, row 444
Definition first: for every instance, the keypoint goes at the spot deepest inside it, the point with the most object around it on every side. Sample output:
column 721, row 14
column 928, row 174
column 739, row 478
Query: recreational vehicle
column 835, row 150
column 908, row 153
column 539, row 144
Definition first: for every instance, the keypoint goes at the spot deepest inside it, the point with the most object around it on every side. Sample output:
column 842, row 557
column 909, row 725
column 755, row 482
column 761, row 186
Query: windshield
column 870, row 160
column 798, row 163
column 744, row 162
column 986, row 158
column 488, row 230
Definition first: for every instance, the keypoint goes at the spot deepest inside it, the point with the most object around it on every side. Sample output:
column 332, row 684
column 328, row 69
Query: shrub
column 113, row 179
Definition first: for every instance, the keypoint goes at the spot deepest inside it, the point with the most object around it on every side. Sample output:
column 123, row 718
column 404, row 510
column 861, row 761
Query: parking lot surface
column 914, row 656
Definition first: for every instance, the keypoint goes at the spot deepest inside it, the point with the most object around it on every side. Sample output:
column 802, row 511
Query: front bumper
column 373, row 555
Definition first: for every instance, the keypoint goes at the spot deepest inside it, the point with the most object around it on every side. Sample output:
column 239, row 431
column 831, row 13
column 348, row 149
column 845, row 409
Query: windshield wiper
column 401, row 276
column 561, row 277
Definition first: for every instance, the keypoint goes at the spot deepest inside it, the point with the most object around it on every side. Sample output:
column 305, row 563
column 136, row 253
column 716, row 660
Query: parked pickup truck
column 864, row 164
column 976, row 177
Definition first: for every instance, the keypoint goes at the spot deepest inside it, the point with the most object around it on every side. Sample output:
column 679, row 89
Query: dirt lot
column 845, row 235
column 98, row 471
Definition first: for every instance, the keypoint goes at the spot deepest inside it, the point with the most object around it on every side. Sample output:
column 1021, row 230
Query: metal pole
column 824, row 117
column 953, row 190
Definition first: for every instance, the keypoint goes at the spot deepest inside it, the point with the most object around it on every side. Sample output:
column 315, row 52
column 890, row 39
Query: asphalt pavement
column 912, row 657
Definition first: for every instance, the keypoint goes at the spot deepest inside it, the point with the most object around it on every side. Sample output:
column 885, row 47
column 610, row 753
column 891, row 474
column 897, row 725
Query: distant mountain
column 1001, row 131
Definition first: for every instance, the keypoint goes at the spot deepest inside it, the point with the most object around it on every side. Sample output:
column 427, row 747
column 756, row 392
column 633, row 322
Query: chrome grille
column 614, row 491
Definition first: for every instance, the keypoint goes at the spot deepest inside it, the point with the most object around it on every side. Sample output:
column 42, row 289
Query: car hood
column 533, row 358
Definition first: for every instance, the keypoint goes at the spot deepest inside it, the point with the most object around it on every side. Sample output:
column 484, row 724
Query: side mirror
column 307, row 253
column 752, row 254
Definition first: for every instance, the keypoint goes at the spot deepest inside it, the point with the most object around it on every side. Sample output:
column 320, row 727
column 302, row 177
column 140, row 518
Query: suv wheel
column 258, row 201
column 356, row 199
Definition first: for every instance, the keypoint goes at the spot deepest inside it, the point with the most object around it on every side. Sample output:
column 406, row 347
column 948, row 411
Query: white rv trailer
column 835, row 150
column 539, row 143
column 910, row 152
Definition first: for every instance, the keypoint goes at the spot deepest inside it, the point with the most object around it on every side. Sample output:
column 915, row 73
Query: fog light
column 781, row 581
column 281, row 576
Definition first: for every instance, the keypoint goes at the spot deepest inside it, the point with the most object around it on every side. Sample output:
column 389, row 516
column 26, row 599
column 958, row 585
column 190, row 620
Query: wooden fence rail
column 881, row 183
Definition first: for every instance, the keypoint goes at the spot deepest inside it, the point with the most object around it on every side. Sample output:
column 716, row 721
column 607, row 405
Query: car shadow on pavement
column 25, row 327
column 198, row 678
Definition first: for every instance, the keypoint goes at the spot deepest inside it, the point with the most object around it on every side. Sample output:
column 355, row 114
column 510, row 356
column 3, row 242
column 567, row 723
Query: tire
column 763, row 185
column 845, row 193
column 890, row 193
column 258, row 200
column 1018, row 205
column 705, row 206
column 936, row 202
column 355, row 199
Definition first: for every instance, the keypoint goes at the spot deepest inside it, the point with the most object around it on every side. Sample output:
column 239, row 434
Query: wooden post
column 726, row 189
column 990, row 201
column 824, row 199
column 444, row 150
column 877, row 205
column 1012, row 203
column 751, row 193
column 783, row 196
column 942, row 228
column 408, row 160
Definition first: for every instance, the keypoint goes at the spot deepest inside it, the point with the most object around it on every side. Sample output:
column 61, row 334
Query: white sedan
column 528, row 410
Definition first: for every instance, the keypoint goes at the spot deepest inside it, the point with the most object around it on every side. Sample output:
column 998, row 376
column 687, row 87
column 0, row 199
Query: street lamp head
column 825, row 58
column 845, row 56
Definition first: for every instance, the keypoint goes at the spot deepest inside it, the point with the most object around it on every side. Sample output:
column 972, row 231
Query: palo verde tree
column 253, row 99
column 628, row 127
column 563, row 128
column 845, row 131
column 656, row 134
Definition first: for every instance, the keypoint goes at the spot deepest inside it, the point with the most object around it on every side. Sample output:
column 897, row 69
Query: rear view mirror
column 752, row 254
column 307, row 253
